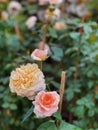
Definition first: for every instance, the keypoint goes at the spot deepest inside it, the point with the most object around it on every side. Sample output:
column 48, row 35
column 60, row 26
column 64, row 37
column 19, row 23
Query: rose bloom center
column 47, row 100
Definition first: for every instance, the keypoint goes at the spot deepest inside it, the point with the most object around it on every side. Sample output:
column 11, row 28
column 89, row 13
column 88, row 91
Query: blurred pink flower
column 46, row 103
column 31, row 21
column 42, row 2
column 39, row 54
column 14, row 7
column 55, row 1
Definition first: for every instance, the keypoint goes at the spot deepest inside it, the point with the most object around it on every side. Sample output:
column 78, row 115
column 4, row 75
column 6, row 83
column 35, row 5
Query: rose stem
column 3, row 1
column 62, row 86
column 17, row 30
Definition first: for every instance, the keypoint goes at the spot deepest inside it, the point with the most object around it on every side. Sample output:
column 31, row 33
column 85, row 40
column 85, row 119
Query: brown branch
column 4, row 16
column 76, row 72
column 3, row 1
column 42, row 43
column 18, row 33
column 62, row 86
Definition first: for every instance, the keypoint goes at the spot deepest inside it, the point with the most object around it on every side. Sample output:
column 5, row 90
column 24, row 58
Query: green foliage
column 66, row 126
column 50, row 125
column 29, row 112
column 66, row 48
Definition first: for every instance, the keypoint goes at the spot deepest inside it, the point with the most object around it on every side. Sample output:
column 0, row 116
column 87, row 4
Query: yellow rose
column 59, row 26
column 27, row 80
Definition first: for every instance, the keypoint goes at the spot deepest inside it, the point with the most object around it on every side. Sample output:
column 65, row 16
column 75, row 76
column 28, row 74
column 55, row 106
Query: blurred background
column 73, row 48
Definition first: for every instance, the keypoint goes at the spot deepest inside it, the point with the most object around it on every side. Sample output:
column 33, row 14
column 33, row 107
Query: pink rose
column 31, row 21
column 55, row 1
column 39, row 54
column 14, row 7
column 46, row 103
column 42, row 2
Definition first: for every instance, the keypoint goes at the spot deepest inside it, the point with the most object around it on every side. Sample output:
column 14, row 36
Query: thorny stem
column 45, row 29
column 41, row 65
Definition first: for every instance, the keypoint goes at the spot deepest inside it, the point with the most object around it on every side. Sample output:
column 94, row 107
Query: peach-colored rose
column 42, row 2
column 39, row 54
column 31, row 21
column 59, row 26
column 55, row 1
column 14, row 7
column 27, row 80
column 46, row 103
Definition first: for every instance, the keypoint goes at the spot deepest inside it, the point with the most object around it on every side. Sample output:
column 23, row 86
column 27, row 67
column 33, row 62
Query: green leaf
column 55, row 84
column 49, row 125
column 13, row 106
column 79, row 111
column 91, row 112
column 75, row 35
column 52, row 32
column 57, row 53
column 67, row 126
column 5, row 105
column 90, row 84
column 57, row 115
column 29, row 112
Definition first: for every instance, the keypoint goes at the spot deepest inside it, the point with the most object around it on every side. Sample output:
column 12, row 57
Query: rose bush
column 73, row 48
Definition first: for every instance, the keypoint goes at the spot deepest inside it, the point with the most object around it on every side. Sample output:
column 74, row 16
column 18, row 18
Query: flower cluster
column 28, row 81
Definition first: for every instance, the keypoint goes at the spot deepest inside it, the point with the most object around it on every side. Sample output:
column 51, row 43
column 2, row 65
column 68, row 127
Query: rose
column 27, row 80
column 54, row 15
column 31, row 21
column 14, row 7
column 39, row 54
column 42, row 2
column 46, row 103
column 59, row 26
column 55, row 1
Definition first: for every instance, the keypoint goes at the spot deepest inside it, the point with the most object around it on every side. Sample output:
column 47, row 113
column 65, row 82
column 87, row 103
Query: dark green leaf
column 67, row 126
column 29, row 112
column 49, row 125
